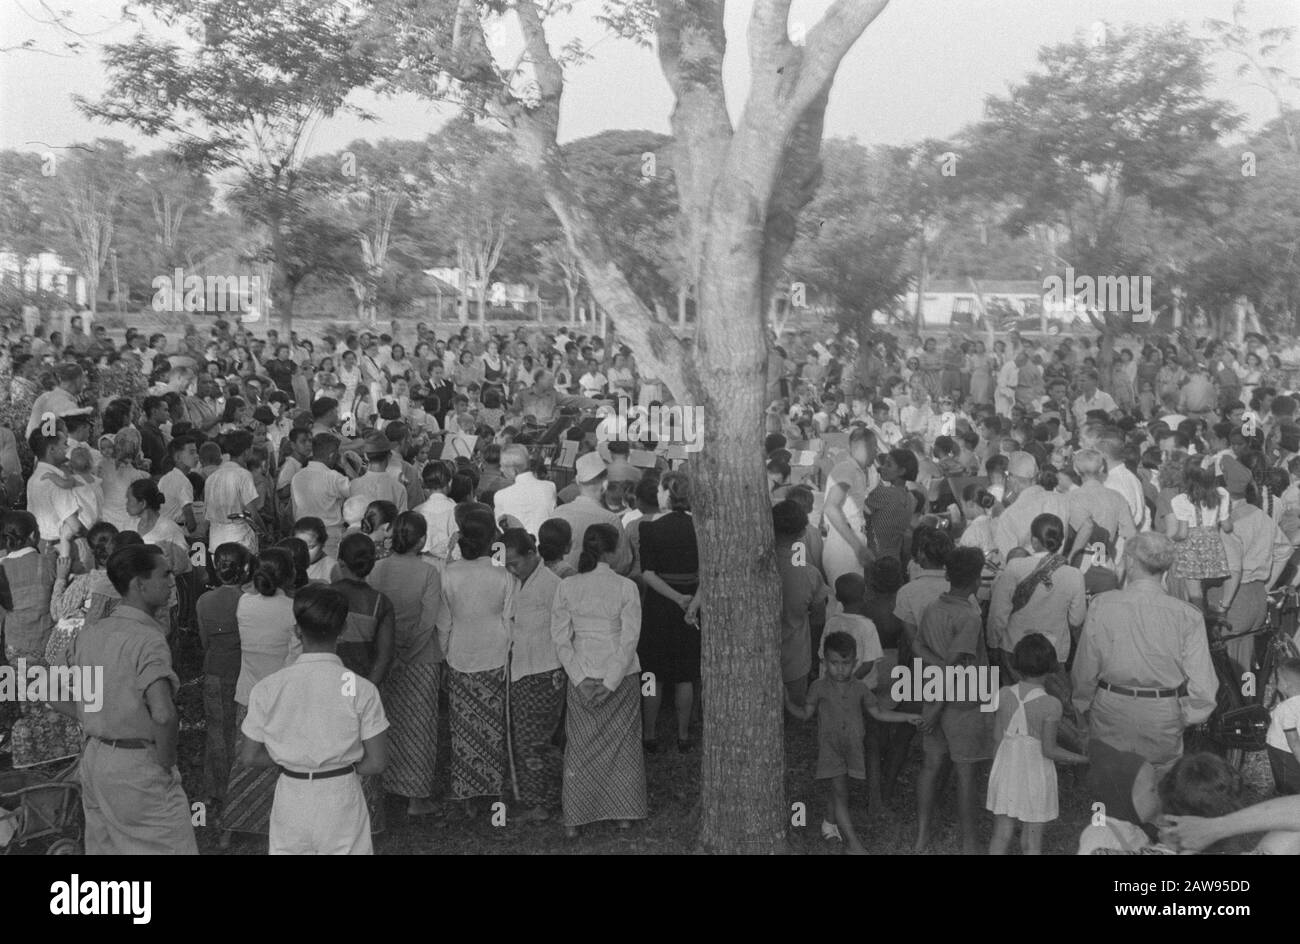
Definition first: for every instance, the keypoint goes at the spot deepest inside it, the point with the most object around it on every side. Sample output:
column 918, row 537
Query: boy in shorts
column 839, row 700
column 951, row 633
column 324, row 727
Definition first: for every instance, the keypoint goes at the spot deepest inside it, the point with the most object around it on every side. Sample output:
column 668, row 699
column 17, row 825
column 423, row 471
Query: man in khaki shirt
column 1142, row 672
column 131, row 787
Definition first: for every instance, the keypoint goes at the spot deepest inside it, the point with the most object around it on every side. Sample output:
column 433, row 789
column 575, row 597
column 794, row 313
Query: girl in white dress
column 1022, row 783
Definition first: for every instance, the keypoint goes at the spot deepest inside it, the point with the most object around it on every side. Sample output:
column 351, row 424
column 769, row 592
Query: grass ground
column 673, row 782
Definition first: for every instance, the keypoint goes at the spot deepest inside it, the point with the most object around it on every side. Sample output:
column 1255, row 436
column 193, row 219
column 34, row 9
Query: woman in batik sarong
column 596, row 624
column 410, row 691
column 474, row 635
column 537, row 683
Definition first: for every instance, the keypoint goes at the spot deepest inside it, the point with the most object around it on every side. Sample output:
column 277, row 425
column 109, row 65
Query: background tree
column 740, row 186
column 854, row 236
column 1114, row 122
column 82, row 201
column 244, row 92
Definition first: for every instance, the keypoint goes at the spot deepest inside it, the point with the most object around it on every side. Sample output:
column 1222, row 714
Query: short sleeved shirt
column 313, row 715
column 864, row 635
column 951, row 627
column 1286, row 717
column 840, row 727
column 132, row 649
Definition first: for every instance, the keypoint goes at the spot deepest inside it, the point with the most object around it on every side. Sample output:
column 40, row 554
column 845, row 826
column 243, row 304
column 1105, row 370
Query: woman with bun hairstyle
column 474, row 634
column 410, row 694
column 1040, row 593
column 216, row 613
column 266, row 644
column 143, row 504
column 596, row 625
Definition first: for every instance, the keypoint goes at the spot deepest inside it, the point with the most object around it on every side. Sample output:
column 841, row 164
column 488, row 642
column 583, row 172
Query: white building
column 44, row 271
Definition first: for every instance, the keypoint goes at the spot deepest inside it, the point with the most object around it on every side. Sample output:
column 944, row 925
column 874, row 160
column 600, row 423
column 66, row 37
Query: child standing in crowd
column 1022, row 783
column 839, row 699
column 1199, row 516
column 324, row 728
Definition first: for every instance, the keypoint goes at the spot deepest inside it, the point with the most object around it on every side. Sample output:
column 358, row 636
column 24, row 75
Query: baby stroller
column 41, row 806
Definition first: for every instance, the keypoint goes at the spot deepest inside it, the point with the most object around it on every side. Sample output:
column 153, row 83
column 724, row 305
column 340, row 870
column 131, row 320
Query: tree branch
column 828, row 42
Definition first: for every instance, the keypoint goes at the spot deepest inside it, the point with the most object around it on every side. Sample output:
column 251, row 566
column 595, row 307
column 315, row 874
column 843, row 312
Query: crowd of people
column 362, row 534
column 990, row 508
column 359, row 538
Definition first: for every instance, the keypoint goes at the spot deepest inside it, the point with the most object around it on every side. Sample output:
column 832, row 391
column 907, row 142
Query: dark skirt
column 477, row 701
column 410, row 696
column 669, row 647
column 604, row 766
column 221, row 733
column 536, row 704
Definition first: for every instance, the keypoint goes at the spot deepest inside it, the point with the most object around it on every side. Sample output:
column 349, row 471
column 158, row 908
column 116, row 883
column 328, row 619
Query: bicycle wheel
column 1200, row 738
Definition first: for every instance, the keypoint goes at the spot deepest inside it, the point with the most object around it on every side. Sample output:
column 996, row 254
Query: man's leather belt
column 319, row 774
column 1178, row 692
column 130, row 744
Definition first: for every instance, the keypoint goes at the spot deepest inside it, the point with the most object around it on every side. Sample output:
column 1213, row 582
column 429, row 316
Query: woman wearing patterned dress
column 596, row 624
column 410, row 691
column 26, row 584
column 474, row 633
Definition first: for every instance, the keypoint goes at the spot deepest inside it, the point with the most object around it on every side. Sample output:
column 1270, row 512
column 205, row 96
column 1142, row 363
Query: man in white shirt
column 62, row 400
column 1091, row 399
column 530, row 500
column 230, row 490
column 593, row 382
column 376, row 484
column 1118, row 477
column 319, row 491
column 50, row 504
column 177, row 490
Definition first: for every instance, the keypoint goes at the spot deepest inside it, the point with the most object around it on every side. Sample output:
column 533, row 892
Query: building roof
column 986, row 287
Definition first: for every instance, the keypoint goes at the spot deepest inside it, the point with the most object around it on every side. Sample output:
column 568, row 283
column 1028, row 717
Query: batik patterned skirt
column 410, row 696
column 604, row 767
column 477, row 701
column 536, row 704
column 251, row 793
column 40, row 734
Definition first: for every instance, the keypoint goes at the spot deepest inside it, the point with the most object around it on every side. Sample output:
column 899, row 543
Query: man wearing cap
column 62, row 400
column 1223, row 461
column 376, row 484
column 1032, row 500
column 529, row 500
column 1142, row 672
column 586, row 510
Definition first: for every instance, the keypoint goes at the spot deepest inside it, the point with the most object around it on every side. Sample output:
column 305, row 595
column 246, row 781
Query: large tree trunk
column 743, row 791
column 728, row 190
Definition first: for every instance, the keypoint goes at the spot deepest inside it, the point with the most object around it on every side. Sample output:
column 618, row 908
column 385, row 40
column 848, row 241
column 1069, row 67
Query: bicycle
column 1239, row 722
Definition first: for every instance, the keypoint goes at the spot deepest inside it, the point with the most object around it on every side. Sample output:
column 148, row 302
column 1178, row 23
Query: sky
column 922, row 69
